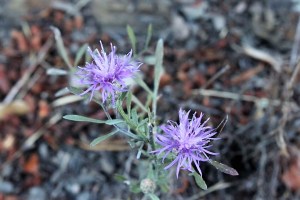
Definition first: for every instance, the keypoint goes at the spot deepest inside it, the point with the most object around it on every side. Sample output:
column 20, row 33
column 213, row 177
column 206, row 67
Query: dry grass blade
column 66, row 100
column 234, row 96
column 107, row 145
column 263, row 56
column 40, row 57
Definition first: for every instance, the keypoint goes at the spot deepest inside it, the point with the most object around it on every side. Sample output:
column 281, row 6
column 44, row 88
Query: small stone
column 6, row 187
column 37, row 193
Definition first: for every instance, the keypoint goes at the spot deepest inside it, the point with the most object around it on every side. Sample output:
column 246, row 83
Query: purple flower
column 107, row 73
column 188, row 141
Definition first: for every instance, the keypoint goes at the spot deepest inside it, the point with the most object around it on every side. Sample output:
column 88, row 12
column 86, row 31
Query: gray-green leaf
column 79, row 118
column 80, row 54
column 102, row 138
column 224, row 168
column 199, row 180
column 132, row 38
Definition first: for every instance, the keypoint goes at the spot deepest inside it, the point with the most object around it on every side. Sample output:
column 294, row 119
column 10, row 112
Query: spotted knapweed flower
column 107, row 73
column 188, row 141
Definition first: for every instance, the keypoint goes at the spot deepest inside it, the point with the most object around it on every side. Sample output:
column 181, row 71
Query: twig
column 216, row 76
column 295, row 49
column 286, row 109
column 234, row 96
column 40, row 57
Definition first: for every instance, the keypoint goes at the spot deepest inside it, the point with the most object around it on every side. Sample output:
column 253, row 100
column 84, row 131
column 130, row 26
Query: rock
column 6, row 187
column 117, row 14
column 37, row 193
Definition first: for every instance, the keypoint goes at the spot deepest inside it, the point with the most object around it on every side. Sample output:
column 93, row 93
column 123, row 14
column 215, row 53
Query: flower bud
column 147, row 186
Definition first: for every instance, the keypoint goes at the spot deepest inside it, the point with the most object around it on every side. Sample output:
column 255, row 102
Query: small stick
column 40, row 57
column 216, row 76
column 234, row 96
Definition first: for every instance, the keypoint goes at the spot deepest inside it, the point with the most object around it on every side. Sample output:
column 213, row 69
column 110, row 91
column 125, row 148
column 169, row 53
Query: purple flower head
column 107, row 73
column 188, row 140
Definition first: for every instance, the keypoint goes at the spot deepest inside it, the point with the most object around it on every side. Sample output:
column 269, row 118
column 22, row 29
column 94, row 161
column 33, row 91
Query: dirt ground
column 235, row 58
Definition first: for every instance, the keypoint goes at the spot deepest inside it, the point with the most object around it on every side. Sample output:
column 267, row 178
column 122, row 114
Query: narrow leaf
column 138, row 103
column 153, row 196
column 134, row 116
column 199, row 181
column 159, row 53
column 75, row 90
column 80, row 118
column 60, row 46
column 222, row 125
column 140, row 151
column 149, row 35
column 223, row 168
column 56, row 72
column 128, row 102
column 132, row 38
column 119, row 177
column 80, row 54
column 102, row 138
column 141, row 83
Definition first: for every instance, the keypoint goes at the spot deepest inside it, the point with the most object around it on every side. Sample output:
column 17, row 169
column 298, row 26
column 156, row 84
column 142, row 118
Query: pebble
column 6, row 187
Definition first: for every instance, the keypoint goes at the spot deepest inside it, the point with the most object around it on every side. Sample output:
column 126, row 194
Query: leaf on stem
column 199, row 180
column 102, row 138
column 158, row 69
column 128, row 102
column 224, row 168
column 60, row 46
column 132, row 38
column 153, row 196
column 80, row 54
column 79, row 118
column 149, row 35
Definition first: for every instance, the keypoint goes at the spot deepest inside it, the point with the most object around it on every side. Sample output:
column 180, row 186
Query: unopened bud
column 147, row 186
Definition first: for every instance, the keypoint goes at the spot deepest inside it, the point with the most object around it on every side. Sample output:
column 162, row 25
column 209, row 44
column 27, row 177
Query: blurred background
column 235, row 58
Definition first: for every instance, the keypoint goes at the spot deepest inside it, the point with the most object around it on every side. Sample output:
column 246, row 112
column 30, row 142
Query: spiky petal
column 189, row 141
column 107, row 73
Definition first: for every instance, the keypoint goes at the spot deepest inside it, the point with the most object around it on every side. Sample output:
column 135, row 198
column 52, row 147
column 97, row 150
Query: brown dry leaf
column 291, row 176
column 44, row 109
column 8, row 142
column 165, row 79
column 4, row 82
column 17, row 107
column 32, row 164
column 258, row 54
column 246, row 75
column 107, row 145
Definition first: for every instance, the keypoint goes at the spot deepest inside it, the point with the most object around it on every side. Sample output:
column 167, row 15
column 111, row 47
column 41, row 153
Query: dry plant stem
column 216, row 76
column 286, row 109
column 295, row 48
column 40, row 57
column 234, row 96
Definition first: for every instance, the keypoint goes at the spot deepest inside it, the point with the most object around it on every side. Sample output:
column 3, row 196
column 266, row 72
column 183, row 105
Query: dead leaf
column 291, row 175
column 246, row 75
column 32, row 164
column 107, row 145
column 17, row 107
column 258, row 54
column 8, row 142
column 44, row 109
